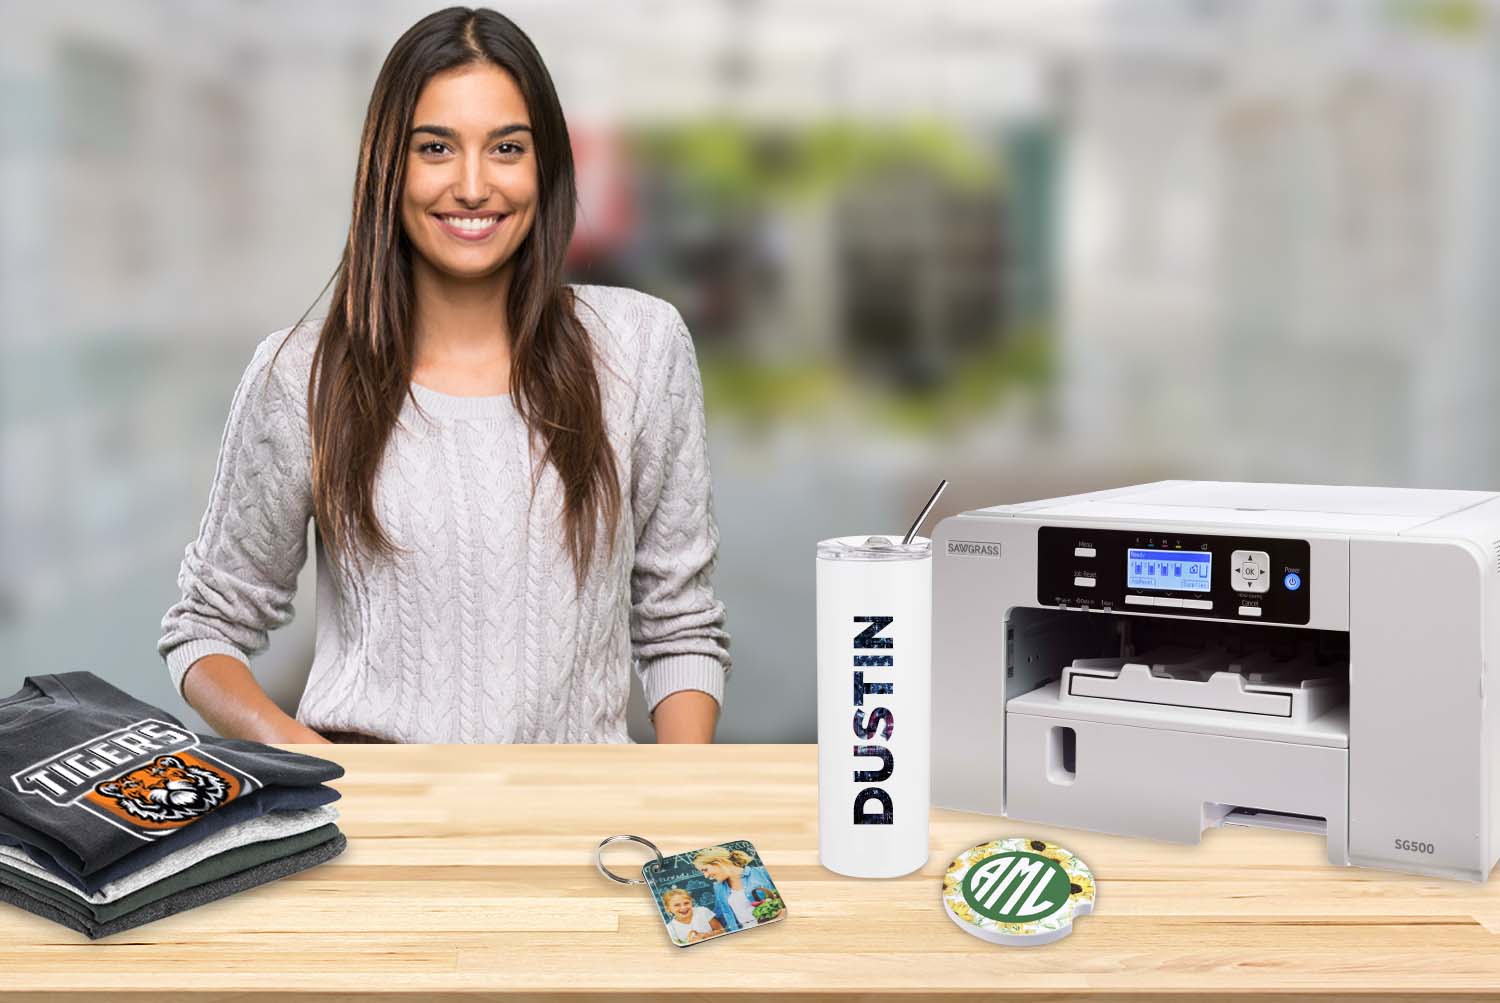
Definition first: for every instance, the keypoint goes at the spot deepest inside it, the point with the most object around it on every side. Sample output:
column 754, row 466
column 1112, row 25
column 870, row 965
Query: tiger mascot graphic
column 167, row 790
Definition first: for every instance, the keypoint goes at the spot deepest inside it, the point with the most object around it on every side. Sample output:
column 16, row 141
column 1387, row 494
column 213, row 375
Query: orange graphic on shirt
column 167, row 793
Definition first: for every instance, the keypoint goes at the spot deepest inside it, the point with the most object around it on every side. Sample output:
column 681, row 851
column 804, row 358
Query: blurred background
column 1035, row 247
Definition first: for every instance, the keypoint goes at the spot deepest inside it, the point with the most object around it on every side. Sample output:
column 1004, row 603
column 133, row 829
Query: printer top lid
column 1343, row 509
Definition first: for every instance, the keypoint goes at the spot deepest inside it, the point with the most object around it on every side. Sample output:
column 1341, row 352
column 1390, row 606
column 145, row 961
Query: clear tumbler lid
column 874, row 548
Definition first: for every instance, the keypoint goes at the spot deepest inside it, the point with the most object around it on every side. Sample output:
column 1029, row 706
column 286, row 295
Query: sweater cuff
column 661, row 677
column 182, row 657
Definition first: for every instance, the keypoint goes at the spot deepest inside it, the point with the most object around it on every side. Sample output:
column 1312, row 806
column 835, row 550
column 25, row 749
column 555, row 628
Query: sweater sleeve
column 239, row 576
column 677, row 624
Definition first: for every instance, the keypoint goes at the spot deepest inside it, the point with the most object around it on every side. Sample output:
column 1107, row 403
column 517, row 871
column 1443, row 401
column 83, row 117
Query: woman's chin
column 465, row 267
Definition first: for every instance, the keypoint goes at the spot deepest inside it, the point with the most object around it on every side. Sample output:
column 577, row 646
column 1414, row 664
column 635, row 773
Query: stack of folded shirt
column 114, row 814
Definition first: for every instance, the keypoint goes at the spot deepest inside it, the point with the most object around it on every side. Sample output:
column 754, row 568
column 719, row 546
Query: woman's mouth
column 470, row 227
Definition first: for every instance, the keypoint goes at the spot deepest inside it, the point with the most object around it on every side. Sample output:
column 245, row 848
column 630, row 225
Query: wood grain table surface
column 470, row 874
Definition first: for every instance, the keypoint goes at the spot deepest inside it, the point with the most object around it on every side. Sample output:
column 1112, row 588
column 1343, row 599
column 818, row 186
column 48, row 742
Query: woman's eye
column 508, row 149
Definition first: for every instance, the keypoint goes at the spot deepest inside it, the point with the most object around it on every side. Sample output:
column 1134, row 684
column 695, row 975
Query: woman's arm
column 238, row 577
column 686, row 716
column 222, row 690
column 677, row 624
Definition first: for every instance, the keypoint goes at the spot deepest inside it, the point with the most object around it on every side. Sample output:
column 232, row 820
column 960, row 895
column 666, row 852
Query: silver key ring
column 599, row 857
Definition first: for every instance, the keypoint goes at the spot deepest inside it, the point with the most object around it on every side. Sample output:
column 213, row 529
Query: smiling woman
column 507, row 475
column 465, row 183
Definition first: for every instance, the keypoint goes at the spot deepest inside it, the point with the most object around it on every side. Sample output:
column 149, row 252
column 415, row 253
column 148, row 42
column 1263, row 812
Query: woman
column 507, row 475
column 740, row 884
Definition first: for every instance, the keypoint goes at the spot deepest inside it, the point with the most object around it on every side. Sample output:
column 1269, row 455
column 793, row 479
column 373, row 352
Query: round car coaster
column 1017, row 891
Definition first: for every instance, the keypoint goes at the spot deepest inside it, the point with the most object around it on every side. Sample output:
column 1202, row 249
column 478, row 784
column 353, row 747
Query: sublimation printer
column 1158, row 660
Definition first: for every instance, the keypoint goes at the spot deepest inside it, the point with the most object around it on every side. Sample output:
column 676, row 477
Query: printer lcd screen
column 1168, row 569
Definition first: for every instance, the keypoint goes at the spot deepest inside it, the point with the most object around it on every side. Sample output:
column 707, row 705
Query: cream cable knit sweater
column 476, row 633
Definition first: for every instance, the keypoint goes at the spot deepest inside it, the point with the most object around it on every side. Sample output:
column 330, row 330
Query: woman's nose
column 472, row 189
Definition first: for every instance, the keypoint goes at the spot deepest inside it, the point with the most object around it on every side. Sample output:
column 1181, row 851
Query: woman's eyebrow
column 447, row 133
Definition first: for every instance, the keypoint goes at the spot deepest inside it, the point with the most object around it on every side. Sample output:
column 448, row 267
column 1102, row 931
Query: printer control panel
column 1252, row 579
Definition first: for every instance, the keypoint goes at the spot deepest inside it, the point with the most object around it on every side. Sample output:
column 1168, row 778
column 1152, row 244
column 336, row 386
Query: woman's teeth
column 471, row 223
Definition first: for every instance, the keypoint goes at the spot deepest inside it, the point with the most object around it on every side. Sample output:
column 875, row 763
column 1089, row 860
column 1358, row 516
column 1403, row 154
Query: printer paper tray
column 1330, row 729
column 1292, row 691
column 1168, row 781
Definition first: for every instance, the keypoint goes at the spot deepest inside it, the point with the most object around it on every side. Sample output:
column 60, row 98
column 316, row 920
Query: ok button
column 1249, row 571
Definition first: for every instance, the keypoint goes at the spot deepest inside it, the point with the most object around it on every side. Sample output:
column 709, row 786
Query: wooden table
column 470, row 873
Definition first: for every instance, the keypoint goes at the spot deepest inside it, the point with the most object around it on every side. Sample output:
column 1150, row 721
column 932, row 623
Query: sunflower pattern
column 1050, row 927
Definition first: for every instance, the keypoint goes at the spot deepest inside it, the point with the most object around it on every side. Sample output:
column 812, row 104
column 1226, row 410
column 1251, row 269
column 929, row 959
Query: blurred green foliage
column 725, row 166
column 759, row 395
column 1021, row 362
column 736, row 162
column 1455, row 18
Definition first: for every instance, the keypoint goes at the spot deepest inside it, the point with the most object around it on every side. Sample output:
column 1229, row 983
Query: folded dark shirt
column 262, row 801
column 189, row 898
column 221, row 865
column 90, row 775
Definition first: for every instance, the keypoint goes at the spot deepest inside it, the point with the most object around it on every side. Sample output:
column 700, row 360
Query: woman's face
column 471, row 172
column 714, row 871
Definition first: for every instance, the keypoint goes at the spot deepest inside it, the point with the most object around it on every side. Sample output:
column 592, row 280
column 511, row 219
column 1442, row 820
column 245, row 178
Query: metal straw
column 925, row 509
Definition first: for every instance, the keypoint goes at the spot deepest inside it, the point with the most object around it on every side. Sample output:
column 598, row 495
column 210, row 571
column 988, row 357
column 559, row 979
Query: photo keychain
column 707, row 893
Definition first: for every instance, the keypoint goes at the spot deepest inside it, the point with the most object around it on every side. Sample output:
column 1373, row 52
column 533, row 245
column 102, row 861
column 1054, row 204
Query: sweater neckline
column 455, row 406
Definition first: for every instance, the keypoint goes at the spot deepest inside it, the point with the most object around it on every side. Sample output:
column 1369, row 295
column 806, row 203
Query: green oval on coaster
column 1017, row 891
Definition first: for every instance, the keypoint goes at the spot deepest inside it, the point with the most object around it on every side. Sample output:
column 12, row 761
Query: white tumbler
column 874, row 704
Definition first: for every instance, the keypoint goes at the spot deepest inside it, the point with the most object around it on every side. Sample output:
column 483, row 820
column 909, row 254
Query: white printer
column 1157, row 660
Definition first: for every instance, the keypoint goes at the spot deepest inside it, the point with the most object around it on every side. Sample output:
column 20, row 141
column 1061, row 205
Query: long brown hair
column 362, row 367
